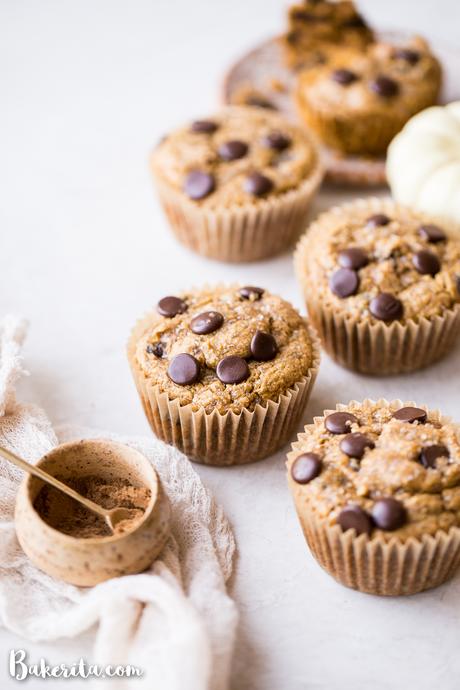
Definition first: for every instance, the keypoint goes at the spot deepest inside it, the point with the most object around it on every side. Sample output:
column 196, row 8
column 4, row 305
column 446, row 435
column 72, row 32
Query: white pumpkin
column 423, row 162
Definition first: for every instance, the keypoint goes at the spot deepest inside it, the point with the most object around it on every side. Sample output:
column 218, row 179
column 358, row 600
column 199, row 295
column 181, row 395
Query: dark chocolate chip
column 156, row 350
column 257, row 184
column 429, row 455
column 233, row 150
column 410, row 415
column 354, row 22
column 458, row 284
column 184, row 369
column 302, row 16
column 263, row 346
column 232, row 369
column 353, row 258
column 171, row 306
column 410, row 56
column 260, row 102
column 378, row 220
column 207, row 322
column 340, row 422
column 386, row 307
column 306, row 467
column 355, row 444
column 426, row 262
column 384, row 86
column 199, row 185
column 389, row 514
column 344, row 77
column 276, row 141
column 204, row 127
column 354, row 517
column 344, row 282
column 252, row 293
column 432, row 233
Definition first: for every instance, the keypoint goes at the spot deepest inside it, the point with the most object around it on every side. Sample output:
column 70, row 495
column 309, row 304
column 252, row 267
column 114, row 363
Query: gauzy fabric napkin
column 174, row 621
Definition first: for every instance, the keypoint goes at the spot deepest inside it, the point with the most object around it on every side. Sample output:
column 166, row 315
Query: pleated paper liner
column 251, row 232
column 372, row 564
column 363, row 346
column 222, row 439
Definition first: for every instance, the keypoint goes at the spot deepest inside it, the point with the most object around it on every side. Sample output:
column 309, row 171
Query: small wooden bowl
column 86, row 562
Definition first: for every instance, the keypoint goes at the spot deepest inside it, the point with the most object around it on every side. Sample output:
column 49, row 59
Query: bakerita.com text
column 20, row 668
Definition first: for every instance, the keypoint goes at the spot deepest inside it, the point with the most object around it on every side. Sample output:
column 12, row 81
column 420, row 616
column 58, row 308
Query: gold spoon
column 112, row 517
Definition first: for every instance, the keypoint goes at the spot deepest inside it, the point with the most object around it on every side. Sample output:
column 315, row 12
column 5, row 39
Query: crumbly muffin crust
column 243, row 156
column 402, row 256
column 275, row 361
column 396, row 465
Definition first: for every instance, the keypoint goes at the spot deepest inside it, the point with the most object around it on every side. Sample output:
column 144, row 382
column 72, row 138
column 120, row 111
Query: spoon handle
column 49, row 479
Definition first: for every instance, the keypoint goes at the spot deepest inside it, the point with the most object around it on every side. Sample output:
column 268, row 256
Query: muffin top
column 237, row 157
column 224, row 348
column 385, row 78
column 385, row 469
column 378, row 261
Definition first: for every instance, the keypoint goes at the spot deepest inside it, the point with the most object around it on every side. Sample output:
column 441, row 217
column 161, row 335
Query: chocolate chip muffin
column 382, row 286
column 360, row 100
column 224, row 373
column 237, row 186
column 316, row 26
column 377, row 484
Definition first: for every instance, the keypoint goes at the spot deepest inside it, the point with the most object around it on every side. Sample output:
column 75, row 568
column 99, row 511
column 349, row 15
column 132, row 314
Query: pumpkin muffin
column 377, row 491
column 382, row 286
column 360, row 100
column 224, row 373
column 237, row 186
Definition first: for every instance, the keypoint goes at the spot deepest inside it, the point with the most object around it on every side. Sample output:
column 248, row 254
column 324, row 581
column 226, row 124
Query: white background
column 87, row 87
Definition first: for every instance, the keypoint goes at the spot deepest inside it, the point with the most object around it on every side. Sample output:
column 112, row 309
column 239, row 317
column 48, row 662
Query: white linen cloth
column 176, row 620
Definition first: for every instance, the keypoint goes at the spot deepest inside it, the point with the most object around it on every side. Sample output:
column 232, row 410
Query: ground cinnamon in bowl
column 69, row 517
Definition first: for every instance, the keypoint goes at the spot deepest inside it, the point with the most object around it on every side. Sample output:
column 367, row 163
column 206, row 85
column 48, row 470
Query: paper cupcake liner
column 223, row 439
column 372, row 564
column 375, row 348
column 245, row 233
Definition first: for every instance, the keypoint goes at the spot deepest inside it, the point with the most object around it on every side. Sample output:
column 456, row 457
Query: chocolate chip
column 232, row 150
column 260, row 102
column 432, row 233
column 354, row 517
column 184, row 369
column 207, row 322
column 199, row 185
column 303, row 16
column 410, row 415
column 353, row 258
column 458, row 284
column 306, row 467
column 171, row 306
column 232, row 369
column 257, row 184
column 429, row 455
column 389, row 514
column 386, row 307
column 384, row 86
column 276, row 141
column 377, row 220
column 354, row 22
column 344, row 282
column 263, row 347
column 340, row 422
column 344, row 77
column 410, row 56
column 252, row 293
column 426, row 262
column 204, row 127
column 156, row 350
column 354, row 445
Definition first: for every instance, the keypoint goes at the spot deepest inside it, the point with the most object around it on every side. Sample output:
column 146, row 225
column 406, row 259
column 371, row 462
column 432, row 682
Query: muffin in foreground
column 360, row 100
column 376, row 487
column 225, row 372
column 237, row 186
column 382, row 286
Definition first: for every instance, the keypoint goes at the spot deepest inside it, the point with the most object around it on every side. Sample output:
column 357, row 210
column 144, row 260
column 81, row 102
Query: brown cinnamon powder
column 69, row 517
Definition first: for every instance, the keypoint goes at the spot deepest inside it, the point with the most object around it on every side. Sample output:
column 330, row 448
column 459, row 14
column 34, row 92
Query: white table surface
column 87, row 87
